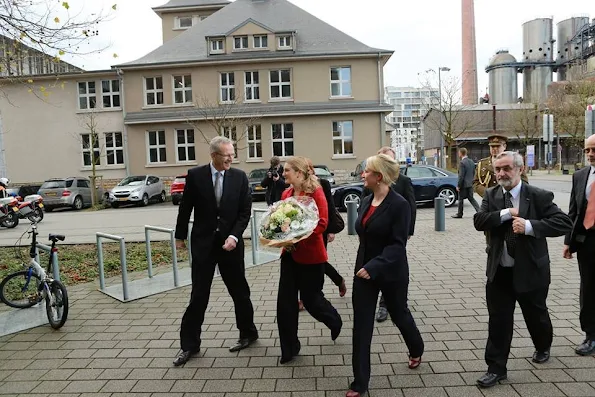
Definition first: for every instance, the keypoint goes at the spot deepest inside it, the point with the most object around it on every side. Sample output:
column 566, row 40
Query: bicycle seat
column 56, row 237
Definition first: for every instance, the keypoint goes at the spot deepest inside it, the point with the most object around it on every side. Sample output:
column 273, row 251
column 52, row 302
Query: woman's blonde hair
column 302, row 165
column 385, row 166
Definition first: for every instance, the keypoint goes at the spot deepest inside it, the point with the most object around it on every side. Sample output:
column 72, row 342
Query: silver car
column 74, row 192
column 137, row 189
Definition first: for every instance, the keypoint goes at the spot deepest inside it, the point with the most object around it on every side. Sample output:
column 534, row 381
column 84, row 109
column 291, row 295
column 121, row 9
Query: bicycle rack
column 55, row 266
column 172, row 242
column 100, row 236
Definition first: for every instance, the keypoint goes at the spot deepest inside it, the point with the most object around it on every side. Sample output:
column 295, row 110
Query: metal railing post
column 189, row 242
column 123, row 265
column 148, row 251
column 172, row 242
column 253, row 236
column 124, row 269
column 439, row 222
column 351, row 217
column 100, row 261
column 174, row 257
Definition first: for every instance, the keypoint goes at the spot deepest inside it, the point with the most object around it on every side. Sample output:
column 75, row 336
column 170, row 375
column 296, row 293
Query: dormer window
column 261, row 41
column 183, row 22
column 217, row 46
column 240, row 42
column 284, row 42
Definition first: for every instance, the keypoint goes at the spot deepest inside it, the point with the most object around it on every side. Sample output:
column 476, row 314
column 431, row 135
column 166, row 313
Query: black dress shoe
column 456, row 216
column 587, row 348
column 382, row 314
column 243, row 343
column 184, row 356
column 489, row 379
column 541, row 357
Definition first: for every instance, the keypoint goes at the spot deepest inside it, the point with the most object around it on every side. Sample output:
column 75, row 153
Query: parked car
column 428, row 182
column 324, row 167
column 256, row 189
column 74, row 192
column 176, row 189
column 137, row 189
column 323, row 173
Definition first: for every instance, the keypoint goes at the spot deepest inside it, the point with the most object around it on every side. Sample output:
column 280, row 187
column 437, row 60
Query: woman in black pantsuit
column 381, row 265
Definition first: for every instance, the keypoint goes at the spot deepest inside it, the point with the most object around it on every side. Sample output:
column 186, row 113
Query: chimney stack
column 469, row 77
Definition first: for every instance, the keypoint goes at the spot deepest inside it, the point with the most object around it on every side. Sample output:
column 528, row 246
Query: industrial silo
column 567, row 51
column 503, row 79
column 537, row 49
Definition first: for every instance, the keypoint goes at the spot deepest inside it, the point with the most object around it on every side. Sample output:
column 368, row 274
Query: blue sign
column 531, row 160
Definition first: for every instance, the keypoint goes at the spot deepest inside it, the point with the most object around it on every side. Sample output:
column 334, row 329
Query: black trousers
column 329, row 269
column 467, row 193
column 586, row 266
column 308, row 280
column 231, row 267
column 365, row 295
column 501, row 300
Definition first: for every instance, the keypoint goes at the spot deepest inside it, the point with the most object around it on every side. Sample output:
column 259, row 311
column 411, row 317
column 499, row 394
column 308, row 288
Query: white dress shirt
column 213, row 177
column 505, row 215
column 590, row 182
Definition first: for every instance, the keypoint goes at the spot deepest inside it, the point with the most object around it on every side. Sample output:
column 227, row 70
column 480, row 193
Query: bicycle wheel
column 20, row 290
column 56, row 304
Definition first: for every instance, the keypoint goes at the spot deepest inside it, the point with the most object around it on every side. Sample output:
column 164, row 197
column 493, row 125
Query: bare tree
column 454, row 119
column 92, row 148
column 568, row 102
column 525, row 123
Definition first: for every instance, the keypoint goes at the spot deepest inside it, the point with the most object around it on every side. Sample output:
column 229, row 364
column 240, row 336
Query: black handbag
column 336, row 223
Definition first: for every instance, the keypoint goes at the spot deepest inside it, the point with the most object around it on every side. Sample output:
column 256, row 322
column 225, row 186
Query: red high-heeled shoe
column 351, row 393
column 414, row 362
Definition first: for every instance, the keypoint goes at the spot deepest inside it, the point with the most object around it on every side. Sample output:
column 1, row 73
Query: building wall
column 168, row 22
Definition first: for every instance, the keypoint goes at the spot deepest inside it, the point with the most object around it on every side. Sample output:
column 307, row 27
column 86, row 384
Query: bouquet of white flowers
column 289, row 221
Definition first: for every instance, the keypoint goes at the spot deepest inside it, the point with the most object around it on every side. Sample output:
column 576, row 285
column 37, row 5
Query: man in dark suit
column 465, row 184
column 518, row 217
column 404, row 187
column 220, row 198
column 582, row 241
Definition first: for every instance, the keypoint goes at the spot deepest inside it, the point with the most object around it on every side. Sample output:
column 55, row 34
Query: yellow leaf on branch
column 57, row 20
column 65, row 5
column 114, row 7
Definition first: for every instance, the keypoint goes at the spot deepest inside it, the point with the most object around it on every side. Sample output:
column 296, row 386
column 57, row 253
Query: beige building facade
column 265, row 73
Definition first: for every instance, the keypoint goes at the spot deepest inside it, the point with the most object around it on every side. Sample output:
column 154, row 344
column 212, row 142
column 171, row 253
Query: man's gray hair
column 517, row 159
column 215, row 144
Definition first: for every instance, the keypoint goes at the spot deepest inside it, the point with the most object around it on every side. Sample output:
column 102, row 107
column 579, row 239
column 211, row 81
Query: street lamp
column 441, row 69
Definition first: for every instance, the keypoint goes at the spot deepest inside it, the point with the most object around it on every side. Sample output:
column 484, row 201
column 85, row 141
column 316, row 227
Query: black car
column 428, row 183
column 255, row 177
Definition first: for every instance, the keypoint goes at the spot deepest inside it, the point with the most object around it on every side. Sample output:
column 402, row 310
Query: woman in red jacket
column 302, row 269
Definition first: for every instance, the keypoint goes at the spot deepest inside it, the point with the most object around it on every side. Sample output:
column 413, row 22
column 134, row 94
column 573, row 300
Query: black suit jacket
column 532, row 261
column 577, row 209
column 404, row 187
column 383, row 240
column 466, row 173
column 231, row 218
column 332, row 211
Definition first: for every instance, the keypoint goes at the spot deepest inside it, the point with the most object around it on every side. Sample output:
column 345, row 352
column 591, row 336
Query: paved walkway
column 112, row 349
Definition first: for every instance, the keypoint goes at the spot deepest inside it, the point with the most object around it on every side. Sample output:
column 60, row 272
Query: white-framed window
column 261, row 41
column 227, row 87
column 284, row 42
column 217, row 46
column 87, row 95
column 230, row 132
column 341, row 81
column 185, row 147
column 110, row 93
column 343, row 137
column 240, row 42
column 282, row 135
column 280, row 83
column 252, row 86
column 114, row 148
column 88, row 141
column 153, row 91
column 184, row 22
column 156, row 149
column 182, row 89
column 254, row 140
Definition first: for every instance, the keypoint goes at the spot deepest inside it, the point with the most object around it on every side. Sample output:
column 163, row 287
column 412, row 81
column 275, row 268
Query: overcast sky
column 422, row 33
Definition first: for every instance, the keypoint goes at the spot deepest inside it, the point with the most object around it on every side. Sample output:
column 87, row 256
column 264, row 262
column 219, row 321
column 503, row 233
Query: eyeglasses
column 589, row 149
column 232, row 155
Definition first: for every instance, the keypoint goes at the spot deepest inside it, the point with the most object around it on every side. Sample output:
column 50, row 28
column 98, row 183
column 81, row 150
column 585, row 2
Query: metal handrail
column 123, row 266
column 172, row 242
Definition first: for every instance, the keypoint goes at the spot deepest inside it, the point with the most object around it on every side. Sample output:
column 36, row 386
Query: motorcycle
column 8, row 212
column 31, row 208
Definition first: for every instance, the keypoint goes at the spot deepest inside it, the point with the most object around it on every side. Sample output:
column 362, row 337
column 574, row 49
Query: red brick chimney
column 469, row 75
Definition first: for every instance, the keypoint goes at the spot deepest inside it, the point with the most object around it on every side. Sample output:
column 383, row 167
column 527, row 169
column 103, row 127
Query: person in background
column 274, row 181
column 381, row 265
column 465, row 183
column 302, row 268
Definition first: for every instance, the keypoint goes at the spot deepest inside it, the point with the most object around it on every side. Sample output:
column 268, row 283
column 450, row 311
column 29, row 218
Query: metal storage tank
column 566, row 30
column 503, row 81
column 538, row 48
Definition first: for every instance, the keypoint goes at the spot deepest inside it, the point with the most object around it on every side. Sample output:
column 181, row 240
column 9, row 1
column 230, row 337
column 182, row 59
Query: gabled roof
column 189, row 4
column 314, row 37
column 246, row 22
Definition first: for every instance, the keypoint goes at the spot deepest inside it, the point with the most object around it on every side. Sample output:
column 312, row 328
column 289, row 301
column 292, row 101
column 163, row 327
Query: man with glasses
column 222, row 204
column 582, row 241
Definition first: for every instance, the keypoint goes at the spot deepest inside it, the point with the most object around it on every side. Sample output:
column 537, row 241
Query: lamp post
column 441, row 69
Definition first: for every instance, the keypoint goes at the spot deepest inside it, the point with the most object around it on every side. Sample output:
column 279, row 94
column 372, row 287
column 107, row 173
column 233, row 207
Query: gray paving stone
column 538, row 390
column 576, row 389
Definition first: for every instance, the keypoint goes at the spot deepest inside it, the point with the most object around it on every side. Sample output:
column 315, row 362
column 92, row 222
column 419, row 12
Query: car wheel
column 145, row 200
column 449, row 195
column 78, row 203
column 162, row 197
column 115, row 205
column 351, row 196
column 48, row 209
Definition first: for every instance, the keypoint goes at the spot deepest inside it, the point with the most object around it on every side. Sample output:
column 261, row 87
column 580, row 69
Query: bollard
column 439, row 222
column 351, row 217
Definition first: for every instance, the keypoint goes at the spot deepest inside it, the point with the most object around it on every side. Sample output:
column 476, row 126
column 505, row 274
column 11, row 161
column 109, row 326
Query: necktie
column 589, row 220
column 509, row 236
column 218, row 187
